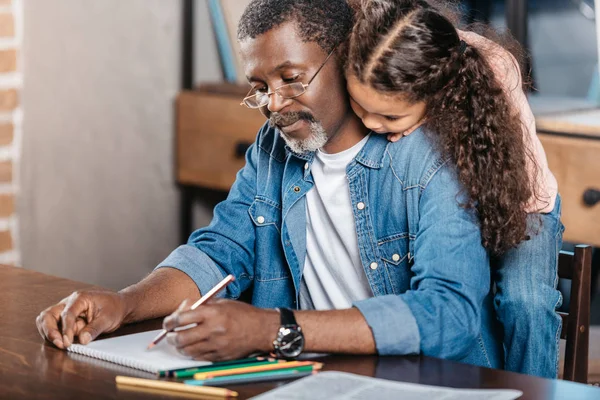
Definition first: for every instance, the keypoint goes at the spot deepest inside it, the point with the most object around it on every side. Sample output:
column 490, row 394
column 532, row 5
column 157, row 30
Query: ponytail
column 407, row 48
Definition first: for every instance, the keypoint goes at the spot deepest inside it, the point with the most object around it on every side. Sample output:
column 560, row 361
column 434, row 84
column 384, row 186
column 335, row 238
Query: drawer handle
column 591, row 197
column 241, row 148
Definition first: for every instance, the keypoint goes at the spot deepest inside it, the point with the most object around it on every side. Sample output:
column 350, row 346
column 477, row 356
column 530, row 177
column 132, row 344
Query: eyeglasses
column 289, row 91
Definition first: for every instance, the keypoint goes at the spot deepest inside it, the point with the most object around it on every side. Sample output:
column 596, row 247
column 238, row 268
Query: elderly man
column 348, row 242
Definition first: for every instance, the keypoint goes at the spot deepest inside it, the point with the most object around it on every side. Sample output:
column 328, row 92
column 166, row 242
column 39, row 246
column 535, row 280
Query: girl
column 408, row 67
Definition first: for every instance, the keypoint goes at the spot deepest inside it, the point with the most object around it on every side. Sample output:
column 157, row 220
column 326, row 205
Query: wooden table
column 33, row 369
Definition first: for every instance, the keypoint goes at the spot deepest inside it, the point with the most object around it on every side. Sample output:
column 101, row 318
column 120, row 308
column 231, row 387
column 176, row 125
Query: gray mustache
column 277, row 119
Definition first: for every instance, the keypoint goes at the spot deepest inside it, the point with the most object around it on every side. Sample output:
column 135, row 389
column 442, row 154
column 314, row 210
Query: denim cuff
column 393, row 324
column 197, row 265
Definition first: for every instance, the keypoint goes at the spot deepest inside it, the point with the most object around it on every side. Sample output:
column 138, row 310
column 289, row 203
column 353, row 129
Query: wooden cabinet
column 572, row 145
column 213, row 131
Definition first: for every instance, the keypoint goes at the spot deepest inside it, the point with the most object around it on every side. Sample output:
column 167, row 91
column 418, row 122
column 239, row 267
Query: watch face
column 291, row 342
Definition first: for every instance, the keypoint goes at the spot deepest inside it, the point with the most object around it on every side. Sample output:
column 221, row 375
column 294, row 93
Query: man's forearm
column 335, row 331
column 157, row 295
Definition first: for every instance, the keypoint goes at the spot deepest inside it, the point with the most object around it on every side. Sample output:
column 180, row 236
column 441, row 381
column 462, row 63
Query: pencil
column 174, row 386
column 167, row 393
column 226, row 281
column 258, row 368
column 227, row 378
column 192, row 372
column 255, row 377
column 218, row 364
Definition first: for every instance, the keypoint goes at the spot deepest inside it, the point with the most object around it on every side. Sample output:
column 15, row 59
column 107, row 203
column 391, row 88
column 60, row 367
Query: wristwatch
column 290, row 339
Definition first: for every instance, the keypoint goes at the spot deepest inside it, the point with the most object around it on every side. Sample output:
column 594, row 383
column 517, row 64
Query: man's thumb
column 93, row 329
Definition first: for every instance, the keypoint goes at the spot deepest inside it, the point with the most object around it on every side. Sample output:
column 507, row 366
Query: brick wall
column 10, row 125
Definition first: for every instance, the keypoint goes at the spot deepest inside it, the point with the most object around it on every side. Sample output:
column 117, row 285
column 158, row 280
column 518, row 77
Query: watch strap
column 287, row 317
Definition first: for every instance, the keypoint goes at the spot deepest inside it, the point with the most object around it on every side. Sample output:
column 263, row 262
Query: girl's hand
column 394, row 137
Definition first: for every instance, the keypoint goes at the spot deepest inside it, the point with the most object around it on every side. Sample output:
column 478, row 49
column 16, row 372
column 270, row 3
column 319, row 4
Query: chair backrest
column 577, row 267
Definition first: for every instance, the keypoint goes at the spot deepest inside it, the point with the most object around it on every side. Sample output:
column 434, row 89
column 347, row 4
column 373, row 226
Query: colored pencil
column 215, row 380
column 171, row 372
column 170, row 394
column 259, row 368
column 255, row 377
column 191, row 373
column 226, row 281
column 173, row 386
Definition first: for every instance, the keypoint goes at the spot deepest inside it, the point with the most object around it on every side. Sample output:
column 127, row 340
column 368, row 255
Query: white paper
column 130, row 351
column 341, row 385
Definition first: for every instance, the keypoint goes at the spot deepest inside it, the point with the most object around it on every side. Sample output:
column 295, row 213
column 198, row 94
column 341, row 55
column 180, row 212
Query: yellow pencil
column 175, row 386
column 259, row 368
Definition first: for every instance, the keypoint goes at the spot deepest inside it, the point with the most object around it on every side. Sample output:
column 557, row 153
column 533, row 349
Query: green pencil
column 254, row 377
column 170, row 372
column 191, row 372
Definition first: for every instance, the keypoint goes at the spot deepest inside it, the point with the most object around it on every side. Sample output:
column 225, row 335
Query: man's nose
column 277, row 103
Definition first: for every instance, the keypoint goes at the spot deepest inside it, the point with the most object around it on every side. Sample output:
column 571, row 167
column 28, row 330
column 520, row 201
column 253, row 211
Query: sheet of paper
column 341, row 385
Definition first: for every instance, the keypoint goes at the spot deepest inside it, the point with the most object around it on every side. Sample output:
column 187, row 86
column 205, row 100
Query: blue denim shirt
column 421, row 251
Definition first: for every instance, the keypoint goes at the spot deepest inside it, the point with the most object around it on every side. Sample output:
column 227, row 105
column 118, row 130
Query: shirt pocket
column 270, row 259
column 265, row 213
column 394, row 252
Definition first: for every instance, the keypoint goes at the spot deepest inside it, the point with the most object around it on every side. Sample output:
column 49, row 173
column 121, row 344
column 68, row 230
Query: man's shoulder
column 416, row 158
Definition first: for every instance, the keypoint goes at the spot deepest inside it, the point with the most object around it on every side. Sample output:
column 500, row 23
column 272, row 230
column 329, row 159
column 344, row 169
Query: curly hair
column 409, row 49
column 326, row 22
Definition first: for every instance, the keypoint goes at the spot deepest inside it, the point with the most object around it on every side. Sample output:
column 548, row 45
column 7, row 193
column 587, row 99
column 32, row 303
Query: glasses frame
column 278, row 89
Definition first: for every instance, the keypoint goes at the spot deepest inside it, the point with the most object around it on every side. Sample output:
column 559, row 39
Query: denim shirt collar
column 371, row 155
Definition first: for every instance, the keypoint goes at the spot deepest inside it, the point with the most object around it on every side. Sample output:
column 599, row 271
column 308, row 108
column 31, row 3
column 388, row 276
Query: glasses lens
column 256, row 101
column 291, row 90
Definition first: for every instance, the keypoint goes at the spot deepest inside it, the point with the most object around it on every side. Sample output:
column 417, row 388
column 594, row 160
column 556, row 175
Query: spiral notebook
column 130, row 351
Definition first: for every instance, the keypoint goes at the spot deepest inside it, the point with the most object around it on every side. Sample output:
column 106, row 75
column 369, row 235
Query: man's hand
column 225, row 330
column 84, row 314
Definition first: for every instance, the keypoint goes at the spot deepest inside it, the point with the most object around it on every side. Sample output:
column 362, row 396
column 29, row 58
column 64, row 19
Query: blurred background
column 91, row 124
column 101, row 152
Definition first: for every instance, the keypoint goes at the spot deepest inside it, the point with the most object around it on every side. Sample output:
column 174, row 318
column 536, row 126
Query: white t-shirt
column 333, row 276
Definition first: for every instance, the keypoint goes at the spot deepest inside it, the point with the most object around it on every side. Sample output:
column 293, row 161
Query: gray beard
column 317, row 139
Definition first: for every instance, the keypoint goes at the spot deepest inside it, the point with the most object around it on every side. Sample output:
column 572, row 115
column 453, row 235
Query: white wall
column 98, row 201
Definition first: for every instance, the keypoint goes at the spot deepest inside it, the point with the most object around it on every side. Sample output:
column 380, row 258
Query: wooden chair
column 576, row 324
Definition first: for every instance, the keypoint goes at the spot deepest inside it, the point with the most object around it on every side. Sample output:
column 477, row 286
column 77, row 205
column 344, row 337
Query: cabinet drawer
column 575, row 162
column 212, row 130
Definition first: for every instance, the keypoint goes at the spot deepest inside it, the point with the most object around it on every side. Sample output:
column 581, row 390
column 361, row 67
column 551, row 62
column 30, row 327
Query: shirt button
column 396, row 257
column 297, row 189
column 360, row 206
column 306, row 166
column 373, row 265
column 260, row 220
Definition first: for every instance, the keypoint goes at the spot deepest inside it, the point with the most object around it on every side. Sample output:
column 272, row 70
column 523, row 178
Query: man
column 323, row 216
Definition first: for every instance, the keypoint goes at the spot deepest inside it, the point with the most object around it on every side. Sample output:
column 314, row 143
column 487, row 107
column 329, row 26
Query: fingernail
column 85, row 338
column 66, row 341
column 58, row 343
